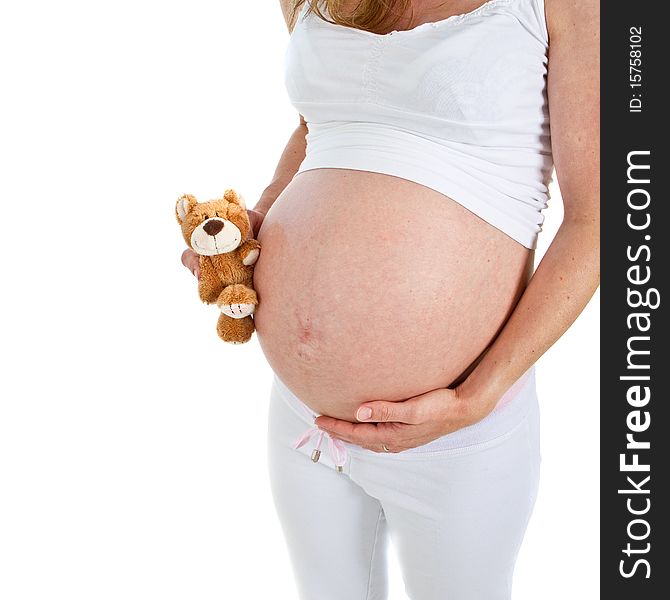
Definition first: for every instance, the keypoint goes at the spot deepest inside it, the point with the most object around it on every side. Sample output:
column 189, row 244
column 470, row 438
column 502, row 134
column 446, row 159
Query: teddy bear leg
column 237, row 301
column 234, row 331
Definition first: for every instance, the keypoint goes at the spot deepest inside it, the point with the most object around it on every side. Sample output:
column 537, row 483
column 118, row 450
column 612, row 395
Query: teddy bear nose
column 213, row 227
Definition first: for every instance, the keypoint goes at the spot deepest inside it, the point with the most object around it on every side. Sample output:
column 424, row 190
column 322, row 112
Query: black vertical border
column 622, row 132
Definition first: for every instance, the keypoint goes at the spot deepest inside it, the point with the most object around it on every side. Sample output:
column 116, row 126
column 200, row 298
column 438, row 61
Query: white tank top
column 458, row 105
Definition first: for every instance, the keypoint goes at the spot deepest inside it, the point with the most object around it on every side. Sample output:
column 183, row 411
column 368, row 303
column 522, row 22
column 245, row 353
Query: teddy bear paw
column 252, row 257
column 237, row 310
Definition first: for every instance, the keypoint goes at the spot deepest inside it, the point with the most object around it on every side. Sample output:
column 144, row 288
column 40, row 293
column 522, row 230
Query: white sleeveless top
column 457, row 105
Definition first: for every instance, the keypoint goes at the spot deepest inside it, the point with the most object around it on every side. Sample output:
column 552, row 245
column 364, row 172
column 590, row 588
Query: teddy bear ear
column 184, row 206
column 233, row 196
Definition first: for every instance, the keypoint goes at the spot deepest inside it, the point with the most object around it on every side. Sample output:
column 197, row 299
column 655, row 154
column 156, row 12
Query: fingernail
column 364, row 413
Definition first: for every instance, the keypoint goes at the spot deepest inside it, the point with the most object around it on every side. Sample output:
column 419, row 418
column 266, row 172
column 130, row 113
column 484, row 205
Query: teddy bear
column 215, row 230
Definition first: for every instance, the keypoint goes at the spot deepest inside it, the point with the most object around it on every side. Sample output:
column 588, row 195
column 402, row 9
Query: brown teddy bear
column 215, row 230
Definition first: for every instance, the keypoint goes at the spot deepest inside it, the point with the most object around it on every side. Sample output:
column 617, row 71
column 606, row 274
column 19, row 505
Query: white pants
column 456, row 513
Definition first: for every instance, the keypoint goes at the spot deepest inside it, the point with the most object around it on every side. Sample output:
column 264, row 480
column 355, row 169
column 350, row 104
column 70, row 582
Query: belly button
column 305, row 354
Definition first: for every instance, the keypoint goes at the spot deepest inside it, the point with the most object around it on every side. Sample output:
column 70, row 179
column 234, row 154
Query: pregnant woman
column 398, row 308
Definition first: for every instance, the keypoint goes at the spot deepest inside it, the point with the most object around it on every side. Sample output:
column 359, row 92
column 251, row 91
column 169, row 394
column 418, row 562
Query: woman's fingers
column 191, row 261
column 381, row 411
column 363, row 434
column 256, row 220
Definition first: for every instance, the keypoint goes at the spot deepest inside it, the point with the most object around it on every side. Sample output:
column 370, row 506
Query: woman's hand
column 191, row 260
column 408, row 423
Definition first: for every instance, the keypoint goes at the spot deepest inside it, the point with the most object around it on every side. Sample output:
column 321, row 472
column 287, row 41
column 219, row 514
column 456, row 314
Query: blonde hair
column 369, row 15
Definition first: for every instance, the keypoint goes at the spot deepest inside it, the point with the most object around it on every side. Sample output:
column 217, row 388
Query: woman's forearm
column 560, row 288
column 288, row 165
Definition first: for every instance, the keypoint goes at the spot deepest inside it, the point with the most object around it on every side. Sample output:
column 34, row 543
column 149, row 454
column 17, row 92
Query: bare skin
column 364, row 296
column 417, row 388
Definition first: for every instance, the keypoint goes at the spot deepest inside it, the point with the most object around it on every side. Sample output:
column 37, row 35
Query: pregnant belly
column 372, row 287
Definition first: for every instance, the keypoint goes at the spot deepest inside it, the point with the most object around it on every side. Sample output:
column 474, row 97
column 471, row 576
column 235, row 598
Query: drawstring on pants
column 336, row 448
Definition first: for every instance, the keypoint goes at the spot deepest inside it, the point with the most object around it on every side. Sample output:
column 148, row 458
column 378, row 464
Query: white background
column 132, row 440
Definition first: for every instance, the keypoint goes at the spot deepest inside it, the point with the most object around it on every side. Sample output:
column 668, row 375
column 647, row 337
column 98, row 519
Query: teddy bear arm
column 209, row 284
column 249, row 252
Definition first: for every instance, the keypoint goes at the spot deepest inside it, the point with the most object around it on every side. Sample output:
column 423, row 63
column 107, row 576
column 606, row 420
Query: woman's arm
column 569, row 272
column 567, row 276
column 288, row 164
column 290, row 160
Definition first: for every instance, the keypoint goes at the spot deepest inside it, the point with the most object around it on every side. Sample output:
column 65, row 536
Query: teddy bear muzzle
column 215, row 236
